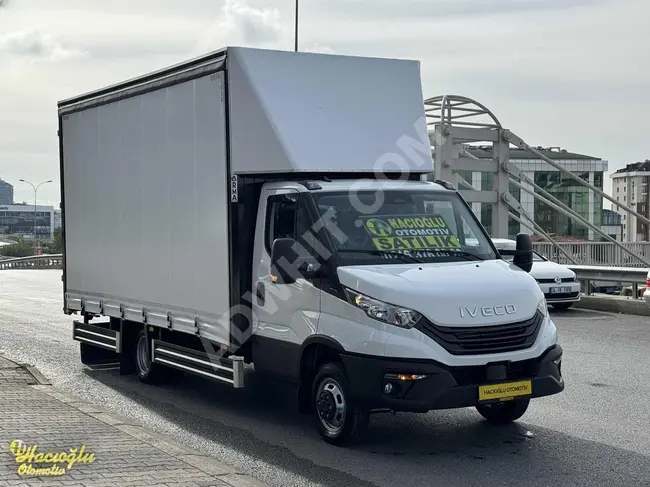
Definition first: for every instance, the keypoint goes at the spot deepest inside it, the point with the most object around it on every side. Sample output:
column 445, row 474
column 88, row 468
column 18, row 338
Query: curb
column 622, row 305
column 205, row 463
column 36, row 374
column 31, row 370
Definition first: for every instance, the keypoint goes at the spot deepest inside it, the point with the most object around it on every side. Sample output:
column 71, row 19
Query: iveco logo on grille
column 487, row 311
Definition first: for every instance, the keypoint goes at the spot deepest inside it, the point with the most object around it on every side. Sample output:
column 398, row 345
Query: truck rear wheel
column 148, row 372
column 339, row 420
column 503, row 412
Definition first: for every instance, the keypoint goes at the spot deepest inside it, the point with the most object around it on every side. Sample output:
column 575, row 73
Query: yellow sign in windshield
column 416, row 232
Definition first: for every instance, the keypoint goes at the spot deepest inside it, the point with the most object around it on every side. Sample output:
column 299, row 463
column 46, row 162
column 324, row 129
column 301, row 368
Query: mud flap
column 98, row 345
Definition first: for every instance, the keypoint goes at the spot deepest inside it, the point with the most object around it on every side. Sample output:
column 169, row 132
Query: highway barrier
column 632, row 277
column 49, row 261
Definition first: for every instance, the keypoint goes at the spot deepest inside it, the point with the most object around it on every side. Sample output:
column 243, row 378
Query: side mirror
column 284, row 261
column 287, row 265
column 310, row 269
column 524, row 254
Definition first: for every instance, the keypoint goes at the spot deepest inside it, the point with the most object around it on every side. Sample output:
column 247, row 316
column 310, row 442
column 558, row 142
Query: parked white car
column 559, row 284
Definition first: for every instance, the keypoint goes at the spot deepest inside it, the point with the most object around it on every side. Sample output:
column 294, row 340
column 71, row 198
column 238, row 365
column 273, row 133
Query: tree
column 19, row 247
column 56, row 245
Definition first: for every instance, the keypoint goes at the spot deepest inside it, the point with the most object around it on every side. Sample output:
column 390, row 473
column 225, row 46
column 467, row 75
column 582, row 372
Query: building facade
column 630, row 187
column 58, row 220
column 612, row 225
column 573, row 194
column 6, row 193
column 19, row 220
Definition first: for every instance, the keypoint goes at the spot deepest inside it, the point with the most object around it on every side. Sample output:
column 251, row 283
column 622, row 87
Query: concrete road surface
column 596, row 433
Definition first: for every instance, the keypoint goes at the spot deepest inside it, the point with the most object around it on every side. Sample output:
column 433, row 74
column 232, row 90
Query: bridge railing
column 49, row 261
column 594, row 253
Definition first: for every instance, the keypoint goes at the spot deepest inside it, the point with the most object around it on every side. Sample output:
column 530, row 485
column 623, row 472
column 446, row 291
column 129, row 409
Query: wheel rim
column 142, row 356
column 331, row 406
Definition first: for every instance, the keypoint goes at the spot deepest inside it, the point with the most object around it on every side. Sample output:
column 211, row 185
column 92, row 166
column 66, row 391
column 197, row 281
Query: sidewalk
column 81, row 445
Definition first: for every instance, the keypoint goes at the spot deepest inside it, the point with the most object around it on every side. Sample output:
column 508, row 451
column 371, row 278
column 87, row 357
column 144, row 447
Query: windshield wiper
column 404, row 257
column 454, row 253
column 464, row 253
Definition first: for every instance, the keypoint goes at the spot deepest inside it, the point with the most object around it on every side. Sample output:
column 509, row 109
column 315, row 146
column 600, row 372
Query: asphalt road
column 596, row 433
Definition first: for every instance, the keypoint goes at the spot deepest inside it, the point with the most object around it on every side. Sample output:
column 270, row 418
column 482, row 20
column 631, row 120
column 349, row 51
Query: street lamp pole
column 35, row 191
column 296, row 29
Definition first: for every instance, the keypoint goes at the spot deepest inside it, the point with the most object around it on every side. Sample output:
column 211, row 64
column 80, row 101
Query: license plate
column 560, row 290
column 504, row 392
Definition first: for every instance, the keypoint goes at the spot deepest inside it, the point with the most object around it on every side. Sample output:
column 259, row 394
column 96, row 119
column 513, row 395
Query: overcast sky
column 569, row 73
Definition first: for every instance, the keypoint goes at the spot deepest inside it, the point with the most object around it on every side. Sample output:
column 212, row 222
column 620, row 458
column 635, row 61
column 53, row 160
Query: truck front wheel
column 339, row 420
column 503, row 412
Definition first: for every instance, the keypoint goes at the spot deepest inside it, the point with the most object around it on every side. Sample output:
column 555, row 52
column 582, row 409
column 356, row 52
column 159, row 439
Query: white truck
column 270, row 208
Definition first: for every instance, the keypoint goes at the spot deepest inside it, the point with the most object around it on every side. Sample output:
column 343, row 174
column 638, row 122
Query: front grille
column 478, row 340
column 552, row 280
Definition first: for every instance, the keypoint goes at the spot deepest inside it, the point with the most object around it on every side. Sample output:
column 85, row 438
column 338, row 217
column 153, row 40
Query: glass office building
column 6, row 193
column 19, row 220
column 576, row 196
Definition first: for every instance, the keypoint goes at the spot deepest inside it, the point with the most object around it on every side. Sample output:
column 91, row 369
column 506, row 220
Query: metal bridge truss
column 454, row 123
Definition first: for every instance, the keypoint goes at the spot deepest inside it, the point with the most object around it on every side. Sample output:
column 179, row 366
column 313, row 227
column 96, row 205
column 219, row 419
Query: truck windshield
column 394, row 226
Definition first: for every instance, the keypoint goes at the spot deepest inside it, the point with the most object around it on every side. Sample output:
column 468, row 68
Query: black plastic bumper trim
column 446, row 387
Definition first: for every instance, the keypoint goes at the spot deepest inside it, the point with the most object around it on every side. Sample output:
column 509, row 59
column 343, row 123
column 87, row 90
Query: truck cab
column 389, row 295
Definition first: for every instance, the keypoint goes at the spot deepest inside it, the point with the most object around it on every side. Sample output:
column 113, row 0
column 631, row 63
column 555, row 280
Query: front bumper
column 445, row 387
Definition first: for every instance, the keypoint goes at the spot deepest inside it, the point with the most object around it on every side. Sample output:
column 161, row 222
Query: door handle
column 259, row 291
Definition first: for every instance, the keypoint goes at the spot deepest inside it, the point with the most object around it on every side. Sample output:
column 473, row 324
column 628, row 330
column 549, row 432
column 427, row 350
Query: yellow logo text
column 27, row 455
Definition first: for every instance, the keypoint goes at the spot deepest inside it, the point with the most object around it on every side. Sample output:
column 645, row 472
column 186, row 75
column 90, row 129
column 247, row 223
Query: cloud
column 37, row 46
column 255, row 25
column 438, row 9
column 242, row 24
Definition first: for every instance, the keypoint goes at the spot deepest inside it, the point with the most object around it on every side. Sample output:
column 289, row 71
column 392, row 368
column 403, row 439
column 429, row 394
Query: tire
column 148, row 372
column 562, row 306
column 503, row 412
column 331, row 387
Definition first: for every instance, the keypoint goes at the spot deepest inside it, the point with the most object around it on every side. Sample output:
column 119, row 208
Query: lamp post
column 296, row 29
column 35, row 191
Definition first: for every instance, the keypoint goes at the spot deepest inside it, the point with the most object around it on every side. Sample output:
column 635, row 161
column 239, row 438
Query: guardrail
column 629, row 275
column 595, row 253
column 49, row 261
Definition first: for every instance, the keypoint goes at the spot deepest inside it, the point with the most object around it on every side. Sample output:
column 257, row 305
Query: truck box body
column 150, row 170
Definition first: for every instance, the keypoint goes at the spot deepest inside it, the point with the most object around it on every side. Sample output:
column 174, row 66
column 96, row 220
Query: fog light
column 558, row 364
column 405, row 377
column 388, row 388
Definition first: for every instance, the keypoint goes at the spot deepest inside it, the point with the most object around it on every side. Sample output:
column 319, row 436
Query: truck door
column 284, row 315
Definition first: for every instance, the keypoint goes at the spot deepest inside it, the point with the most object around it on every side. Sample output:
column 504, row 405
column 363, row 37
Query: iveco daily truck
column 267, row 212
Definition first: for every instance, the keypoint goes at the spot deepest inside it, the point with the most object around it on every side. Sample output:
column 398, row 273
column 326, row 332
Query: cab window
column 288, row 217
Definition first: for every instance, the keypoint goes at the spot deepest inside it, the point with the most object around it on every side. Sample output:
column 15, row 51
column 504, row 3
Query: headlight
column 378, row 310
column 542, row 306
column 575, row 277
